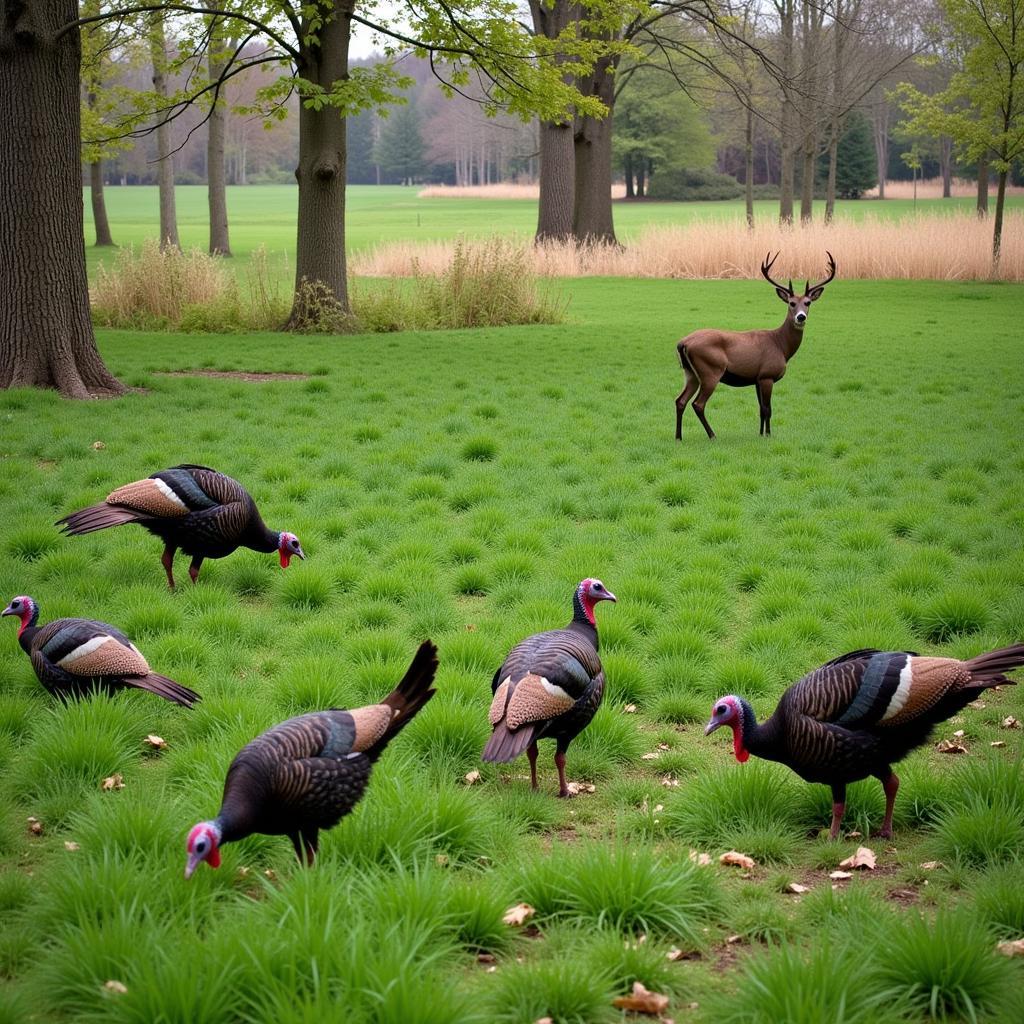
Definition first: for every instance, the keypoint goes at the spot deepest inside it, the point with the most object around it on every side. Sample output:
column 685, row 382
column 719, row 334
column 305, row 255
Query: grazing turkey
column 309, row 772
column 197, row 509
column 71, row 655
column 858, row 714
column 549, row 686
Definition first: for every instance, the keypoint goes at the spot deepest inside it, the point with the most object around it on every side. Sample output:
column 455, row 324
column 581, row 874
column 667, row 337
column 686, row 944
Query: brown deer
column 743, row 358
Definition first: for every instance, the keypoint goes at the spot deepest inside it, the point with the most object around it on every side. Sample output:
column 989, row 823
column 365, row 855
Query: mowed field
column 457, row 485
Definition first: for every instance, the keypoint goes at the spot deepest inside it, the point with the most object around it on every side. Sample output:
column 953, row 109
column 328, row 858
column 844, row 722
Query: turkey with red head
column 859, row 714
column 195, row 508
column 549, row 686
column 306, row 774
column 72, row 655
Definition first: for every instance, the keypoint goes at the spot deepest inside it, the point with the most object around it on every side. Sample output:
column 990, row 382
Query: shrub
column 693, row 185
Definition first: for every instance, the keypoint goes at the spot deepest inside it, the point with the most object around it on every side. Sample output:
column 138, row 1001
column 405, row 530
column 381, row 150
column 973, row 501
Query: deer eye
column 792, row 303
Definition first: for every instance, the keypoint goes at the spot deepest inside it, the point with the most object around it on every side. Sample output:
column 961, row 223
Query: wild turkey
column 307, row 773
column 195, row 508
column 71, row 655
column 549, row 686
column 858, row 714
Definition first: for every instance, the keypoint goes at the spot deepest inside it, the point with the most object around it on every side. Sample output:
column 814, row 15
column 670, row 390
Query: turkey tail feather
column 166, row 688
column 409, row 696
column 99, row 517
column 989, row 668
column 506, row 745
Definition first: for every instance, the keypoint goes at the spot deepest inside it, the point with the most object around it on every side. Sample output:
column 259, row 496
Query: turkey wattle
column 195, row 508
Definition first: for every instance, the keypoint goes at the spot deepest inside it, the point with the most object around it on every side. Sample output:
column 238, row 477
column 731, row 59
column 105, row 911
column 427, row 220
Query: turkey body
column 72, row 656
column 307, row 773
column 549, row 686
column 859, row 714
column 192, row 508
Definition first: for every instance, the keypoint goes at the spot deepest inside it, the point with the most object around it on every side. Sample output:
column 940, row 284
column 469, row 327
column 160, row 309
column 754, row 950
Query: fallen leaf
column 491, row 969
column 629, row 709
column 997, row 743
column 441, row 860
column 932, row 865
column 35, row 826
column 544, row 1020
column 652, row 756
column 700, row 858
column 97, row 446
column 270, row 875
column 642, row 1001
column 471, row 778
column 863, row 858
column 797, row 888
column 71, row 846
column 486, row 958
column 854, row 835
column 575, row 788
column 470, row 627
column 692, row 1006
column 243, row 871
column 115, row 781
column 733, row 940
column 669, row 781
column 156, row 742
column 950, row 747
column 664, row 746
column 959, row 734
column 978, row 705
column 737, row 860
column 839, row 876
column 658, row 808
column 675, row 955
column 1010, row 722
column 1012, row 948
column 117, row 987
column 519, row 914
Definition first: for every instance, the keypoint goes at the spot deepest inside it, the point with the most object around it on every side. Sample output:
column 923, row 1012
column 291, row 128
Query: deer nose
column 801, row 317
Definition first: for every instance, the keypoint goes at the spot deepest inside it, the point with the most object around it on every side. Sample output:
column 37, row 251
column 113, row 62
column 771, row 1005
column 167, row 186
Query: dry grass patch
column 956, row 247
column 931, row 188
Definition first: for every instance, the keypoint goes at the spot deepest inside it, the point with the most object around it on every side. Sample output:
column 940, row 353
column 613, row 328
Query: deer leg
column 167, row 560
column 707, row 388
column 689, row 389
column 764, row 396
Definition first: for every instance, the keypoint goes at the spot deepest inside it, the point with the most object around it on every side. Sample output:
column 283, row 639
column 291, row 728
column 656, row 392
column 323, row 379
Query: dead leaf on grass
column 733, row 940
column 1009, row 722
column 642, row 1000
column 997, row 743
column 575, row 788
column 700, row 858
column 651, row 756
column 932, row 865
column 950, row 747
column 111, row 782
column 978, row 705
column 737, row 860
column 544, row 1020
column 519, row 914
column 664, row 746
column 70, row 845
column 156, row 742
column 669, row 781
column 97, row 446
column 35, row 826
column 864, row 858
column 675, row 955
column 629, row 709
column 471, row 778
column 117, row 987
column 797, row 888
column 1013, row 948
column 840, row 876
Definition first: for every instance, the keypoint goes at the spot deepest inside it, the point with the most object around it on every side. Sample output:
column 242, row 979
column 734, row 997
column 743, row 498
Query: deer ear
column 816, row 293
column 783, row 294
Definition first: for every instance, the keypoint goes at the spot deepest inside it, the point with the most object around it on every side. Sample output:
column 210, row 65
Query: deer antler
column 831, row 274
column 767, row 265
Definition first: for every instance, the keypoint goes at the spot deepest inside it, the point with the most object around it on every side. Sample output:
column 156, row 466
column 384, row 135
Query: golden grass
column 502, row 190
column 953, row 247
column 931, row 188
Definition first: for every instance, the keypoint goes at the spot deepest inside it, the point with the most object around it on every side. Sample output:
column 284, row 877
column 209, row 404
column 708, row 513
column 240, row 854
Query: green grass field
column 457, row 485
column 265, row 215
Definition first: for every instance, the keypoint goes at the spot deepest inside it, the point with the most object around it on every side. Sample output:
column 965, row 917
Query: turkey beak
column 609, row 596
column 300, row 554
column 193, row 862
column 8, row 611
column 711, row 727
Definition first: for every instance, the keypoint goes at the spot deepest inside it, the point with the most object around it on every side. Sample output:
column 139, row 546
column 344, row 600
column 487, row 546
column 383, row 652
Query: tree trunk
column 592, row 212
column 748, row 164
column 788, row 127
column 216, row 191
column 46, row 336
column 320, row 245
column 165, row 159
column 557, row 179
column 555, row 150
column 833, row 160
column 628, row 170
column 810, row 151
column 946, row 165
column 997, row 227
column 983, row 186
column 641, row 179
column 99, row 205
column 880, row 129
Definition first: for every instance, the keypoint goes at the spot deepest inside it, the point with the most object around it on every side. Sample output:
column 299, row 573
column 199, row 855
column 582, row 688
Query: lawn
column 457, row 485
column 265, row 215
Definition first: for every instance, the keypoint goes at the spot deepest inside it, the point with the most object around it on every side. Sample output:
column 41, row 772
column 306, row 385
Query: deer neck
column 788, row 338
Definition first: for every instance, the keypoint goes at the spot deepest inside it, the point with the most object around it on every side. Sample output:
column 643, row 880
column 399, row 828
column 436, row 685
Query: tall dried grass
column 957, row 246
column 931, row 188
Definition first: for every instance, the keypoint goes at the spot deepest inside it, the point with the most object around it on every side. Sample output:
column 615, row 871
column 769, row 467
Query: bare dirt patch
column 253, row 377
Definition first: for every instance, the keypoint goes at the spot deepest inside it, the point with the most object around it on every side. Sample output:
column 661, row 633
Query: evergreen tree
column 399, row 150
column 362, row 169
column 856, row 166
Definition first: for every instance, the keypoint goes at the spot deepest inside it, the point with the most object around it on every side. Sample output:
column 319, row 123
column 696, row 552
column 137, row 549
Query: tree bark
column 788, row 127
column 99, row 205
column 216, row 190
column 628, row 170
column 46, row 336
column 641, row 178
column 165, row 159
column 556, row 151
column 833, row 159
column 946, row 165
column 880, row 128
column 983, row 186
column 997, row 227
column 592, row 213
column 320, row 245
column 748, row 164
